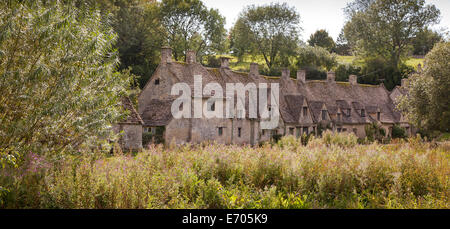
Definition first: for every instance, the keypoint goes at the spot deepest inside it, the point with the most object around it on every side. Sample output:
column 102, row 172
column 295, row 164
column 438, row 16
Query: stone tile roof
column 158, row 113
column 316, row 109
column 133, row 116
column 334, row 95
column 294, row 108
column 371, row 109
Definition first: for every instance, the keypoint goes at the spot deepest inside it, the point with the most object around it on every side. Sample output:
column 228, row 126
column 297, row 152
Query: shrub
column 398, row 132
column 330, row 138
column 289, row 142
column 374, row 132
column 213, row 62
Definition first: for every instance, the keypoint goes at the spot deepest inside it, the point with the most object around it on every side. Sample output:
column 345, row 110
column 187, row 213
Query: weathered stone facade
column 130, row 129
column 305, row 106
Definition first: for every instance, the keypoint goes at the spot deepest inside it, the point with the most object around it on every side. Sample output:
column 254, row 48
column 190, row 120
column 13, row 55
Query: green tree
column 424, row 41
column 269, row 30
column 240, row 41
column 342, row 45
column 386, row 28
column 315, row 57
column 59, row 88
column 427, row 105
column 322, row 39
column 138, row 26
column 190, row 25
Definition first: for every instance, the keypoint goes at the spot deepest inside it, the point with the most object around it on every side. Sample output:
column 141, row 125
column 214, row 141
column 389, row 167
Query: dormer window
column 363, row 113
column 305, row 111
column 378, row 116
column 348, row 112
column 157, row 82
column 339, row 117
column 324, row 115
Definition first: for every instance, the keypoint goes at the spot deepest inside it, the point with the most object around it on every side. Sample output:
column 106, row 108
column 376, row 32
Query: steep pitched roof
column 316, row 109
column 338, row 95
column 133, row 116
column 294, row 106
column 158, row 113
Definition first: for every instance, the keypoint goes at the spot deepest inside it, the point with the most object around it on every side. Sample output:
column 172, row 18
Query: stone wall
column 131, row 136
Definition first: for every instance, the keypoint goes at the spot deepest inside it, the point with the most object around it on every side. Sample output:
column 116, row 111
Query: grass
column 413, row 62
column 330, row 172
column 245, row 64
column 345, row 59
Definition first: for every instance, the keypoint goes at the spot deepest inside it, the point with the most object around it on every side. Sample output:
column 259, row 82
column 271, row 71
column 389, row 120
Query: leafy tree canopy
column 425, row 40
column 386, row 28
column 316, row 57
column 190, row 25
column 269, row 30
column 322, row 39
column 426, row 104
column 59, row 87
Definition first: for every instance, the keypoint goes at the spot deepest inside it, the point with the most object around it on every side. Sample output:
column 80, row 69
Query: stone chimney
column 224, row 62
column 285, row 73
column 301, row 76
column 254, row 69
column 166, row 55
column 331, row 77
column 191, row 57
column 353, row 79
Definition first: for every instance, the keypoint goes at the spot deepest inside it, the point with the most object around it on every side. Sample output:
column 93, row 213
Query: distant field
column 349, row 59
column 244, row 66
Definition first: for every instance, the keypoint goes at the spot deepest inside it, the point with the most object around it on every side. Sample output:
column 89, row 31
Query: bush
column 213, row 62
column 316, row 57
column 330, row 138
column 61, row 85
column 398, row 132
column 343, row 71
column 375, row 132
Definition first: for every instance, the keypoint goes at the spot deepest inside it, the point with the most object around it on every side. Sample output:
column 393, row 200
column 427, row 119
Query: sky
column 314, row 14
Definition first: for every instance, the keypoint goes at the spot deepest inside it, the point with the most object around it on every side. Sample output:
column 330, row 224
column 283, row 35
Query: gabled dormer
column 305, row 114
column 339, row 115
column 320, row 111
column 374, row 112
column 324, row 115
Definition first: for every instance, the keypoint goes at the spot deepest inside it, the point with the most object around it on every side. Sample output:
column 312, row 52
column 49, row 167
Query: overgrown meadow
column 330, row 172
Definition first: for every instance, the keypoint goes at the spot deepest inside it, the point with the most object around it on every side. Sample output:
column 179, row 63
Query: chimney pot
column 166, row 55
column 254, row 69
column 224, row 62
column 331, row 77
column 285, row 73
column 191, row 57
column 353, row 79
column 301, row 76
